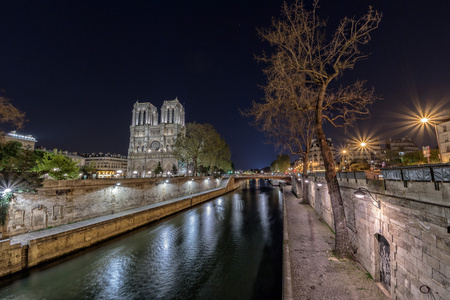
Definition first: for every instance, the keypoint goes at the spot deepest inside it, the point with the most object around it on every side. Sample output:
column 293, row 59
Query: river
column 227, row 248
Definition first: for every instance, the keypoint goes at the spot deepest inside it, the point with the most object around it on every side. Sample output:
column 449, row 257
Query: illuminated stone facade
column 151, row 142
column 107, row 165
column 443, row 136
column 27, row 141
column 315, row 159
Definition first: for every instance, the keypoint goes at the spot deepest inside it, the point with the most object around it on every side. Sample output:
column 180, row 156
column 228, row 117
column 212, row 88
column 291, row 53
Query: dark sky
column 77, row 67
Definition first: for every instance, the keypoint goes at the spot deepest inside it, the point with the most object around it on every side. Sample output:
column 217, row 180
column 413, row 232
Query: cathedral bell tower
column 152, row 142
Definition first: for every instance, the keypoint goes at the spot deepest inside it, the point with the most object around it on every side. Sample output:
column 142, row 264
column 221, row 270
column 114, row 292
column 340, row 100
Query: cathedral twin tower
column 152, row 142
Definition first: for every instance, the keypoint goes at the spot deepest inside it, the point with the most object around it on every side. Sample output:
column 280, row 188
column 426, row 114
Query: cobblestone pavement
column 314, row 272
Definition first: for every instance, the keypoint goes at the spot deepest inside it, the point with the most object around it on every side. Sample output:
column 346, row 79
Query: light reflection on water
column 228, row 248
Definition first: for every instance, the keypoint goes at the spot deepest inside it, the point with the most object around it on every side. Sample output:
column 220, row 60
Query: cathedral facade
column 151, row 140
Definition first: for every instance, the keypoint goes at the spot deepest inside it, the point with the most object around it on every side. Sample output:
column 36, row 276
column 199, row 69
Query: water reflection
column 228, row 248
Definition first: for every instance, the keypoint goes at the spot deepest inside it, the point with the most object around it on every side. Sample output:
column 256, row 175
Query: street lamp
column 345, row 158
column 424, row 121
column 365, row 147
column 361, row 193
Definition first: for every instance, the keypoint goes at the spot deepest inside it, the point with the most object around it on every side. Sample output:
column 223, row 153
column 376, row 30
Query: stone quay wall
column 67, row 201
column 57, row 242
column 404, row 244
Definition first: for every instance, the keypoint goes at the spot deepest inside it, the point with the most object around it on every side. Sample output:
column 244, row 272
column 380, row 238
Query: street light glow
column 418, row 118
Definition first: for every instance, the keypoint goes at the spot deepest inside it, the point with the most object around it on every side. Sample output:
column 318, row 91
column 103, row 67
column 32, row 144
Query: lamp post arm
column 374, row 201
column 437, row 137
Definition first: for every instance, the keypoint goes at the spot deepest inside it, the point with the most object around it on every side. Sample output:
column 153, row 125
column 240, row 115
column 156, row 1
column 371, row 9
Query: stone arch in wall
column 151, row 166
column 18, row 219
column 38, row 217
column 383, row 261
column 168, row 167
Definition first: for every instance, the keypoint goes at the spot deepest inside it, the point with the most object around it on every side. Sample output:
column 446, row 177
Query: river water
column 227, row 248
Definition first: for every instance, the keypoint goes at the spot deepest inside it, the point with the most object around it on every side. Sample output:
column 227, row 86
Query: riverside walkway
column 310, row 270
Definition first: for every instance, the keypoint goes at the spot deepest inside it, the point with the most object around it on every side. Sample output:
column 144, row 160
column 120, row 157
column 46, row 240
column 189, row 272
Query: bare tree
column 304, row 52
column 283, row 121
column 10, row 114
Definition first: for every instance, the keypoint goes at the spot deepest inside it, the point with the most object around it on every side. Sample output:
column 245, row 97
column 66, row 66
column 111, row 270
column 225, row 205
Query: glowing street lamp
column 345, row 158
column 424, row 121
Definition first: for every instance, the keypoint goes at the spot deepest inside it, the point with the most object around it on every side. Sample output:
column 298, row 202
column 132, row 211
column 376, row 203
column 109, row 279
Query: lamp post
column 362, row 192
column 363, row 146
column 425, row 120
column 345, row 157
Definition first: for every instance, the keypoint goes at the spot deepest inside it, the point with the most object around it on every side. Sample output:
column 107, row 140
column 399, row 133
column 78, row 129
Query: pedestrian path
column 314, row 272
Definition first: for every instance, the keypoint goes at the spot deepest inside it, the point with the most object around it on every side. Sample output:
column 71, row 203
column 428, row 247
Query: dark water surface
column 227, row 248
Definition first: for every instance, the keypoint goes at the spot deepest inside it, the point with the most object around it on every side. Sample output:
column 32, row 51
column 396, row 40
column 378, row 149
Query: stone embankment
column 310, row 269
column 61, row 202
column 399, row 231
column 34, row 248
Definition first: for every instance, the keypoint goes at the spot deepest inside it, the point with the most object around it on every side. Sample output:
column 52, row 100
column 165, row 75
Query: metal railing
column 438, row 172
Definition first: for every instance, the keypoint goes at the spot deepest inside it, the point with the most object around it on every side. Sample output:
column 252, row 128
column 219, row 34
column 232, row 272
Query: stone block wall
column 60, row 241
column 66, row 201
column 10, row 257
column 404, row 244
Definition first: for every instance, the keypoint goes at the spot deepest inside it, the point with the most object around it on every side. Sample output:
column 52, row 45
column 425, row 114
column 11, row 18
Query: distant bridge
column 286, row 178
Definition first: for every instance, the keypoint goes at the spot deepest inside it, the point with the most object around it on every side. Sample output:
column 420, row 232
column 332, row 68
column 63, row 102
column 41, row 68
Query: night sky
column 77, row 67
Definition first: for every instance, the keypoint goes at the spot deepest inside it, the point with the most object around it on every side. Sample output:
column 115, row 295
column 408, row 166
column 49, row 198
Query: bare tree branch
column 299, row 72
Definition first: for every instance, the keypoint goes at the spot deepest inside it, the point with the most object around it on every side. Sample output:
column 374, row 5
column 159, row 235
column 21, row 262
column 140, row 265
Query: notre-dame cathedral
column 152, row 141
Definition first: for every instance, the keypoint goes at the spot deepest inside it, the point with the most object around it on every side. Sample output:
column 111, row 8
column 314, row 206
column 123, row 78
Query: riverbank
column 31, row 249
column 310, row 269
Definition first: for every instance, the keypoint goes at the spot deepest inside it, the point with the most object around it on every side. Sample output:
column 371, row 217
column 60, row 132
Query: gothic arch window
column 143, row 117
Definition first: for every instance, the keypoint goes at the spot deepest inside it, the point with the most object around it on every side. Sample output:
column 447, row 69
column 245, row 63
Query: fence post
column 436, row 184
column 405, row 183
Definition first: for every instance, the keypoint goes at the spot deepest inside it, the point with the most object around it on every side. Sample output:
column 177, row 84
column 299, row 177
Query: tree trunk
column 305, row 196
column 305, row 189
column 342, row 245
column 194, row 172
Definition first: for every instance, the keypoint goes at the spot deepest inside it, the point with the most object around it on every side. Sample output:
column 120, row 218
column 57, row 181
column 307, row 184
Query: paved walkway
column 314, row 272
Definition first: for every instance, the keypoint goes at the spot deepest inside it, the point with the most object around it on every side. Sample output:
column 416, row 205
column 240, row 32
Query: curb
column 287, row 279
